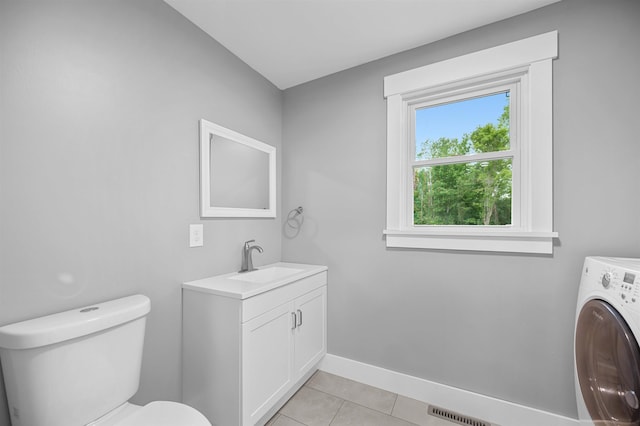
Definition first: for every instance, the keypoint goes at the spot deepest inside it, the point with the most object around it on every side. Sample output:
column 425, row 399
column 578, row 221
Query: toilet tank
column 70, row 368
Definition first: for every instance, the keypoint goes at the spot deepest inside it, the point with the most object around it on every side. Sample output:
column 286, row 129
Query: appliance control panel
column 619, row 277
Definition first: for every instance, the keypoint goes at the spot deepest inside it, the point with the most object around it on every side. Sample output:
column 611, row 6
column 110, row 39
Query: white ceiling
column 294, row 41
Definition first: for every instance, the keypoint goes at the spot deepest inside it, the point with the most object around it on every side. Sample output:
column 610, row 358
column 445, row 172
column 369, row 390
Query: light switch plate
column 196, row 235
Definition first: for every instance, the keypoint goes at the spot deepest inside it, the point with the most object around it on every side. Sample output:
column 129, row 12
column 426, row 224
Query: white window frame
column 527, row 64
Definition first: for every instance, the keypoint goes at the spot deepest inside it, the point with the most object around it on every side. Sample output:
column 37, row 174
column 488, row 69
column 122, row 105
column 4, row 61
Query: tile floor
column 329, row 400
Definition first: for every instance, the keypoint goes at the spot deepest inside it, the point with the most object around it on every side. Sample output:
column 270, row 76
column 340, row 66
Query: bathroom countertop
column 232, row 285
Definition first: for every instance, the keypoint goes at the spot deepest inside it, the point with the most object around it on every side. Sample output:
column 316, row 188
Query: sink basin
column 266, row 275
column 248, row 284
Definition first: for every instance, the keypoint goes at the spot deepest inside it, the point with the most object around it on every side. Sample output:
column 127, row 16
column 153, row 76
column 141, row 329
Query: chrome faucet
column 247, row 263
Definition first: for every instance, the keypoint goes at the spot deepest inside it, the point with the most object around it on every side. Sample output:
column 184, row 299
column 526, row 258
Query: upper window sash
column 511, row 87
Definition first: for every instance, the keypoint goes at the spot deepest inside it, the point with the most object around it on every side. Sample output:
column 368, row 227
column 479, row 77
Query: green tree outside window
column 471, row 193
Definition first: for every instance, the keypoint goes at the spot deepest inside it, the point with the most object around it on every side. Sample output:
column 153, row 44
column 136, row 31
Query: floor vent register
column 454, row 417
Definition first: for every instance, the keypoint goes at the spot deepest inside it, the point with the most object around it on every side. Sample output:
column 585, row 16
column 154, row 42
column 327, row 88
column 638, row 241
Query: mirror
column 237, row 174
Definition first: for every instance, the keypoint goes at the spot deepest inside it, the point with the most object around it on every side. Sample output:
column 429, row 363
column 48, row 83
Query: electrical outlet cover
column 196, row 235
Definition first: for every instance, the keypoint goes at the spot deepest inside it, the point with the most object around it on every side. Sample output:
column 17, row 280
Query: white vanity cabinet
column 249, row 345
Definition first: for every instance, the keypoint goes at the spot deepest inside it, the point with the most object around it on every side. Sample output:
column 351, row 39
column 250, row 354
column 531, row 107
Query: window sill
column 500, row 240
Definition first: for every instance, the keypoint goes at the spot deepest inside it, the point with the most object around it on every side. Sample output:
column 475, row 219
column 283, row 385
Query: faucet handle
column 246, row 243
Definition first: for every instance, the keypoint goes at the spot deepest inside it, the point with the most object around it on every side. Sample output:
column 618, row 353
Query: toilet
column 80, row 367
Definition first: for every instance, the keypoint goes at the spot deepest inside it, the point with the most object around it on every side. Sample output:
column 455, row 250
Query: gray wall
column 100, row 102
column 497, row 324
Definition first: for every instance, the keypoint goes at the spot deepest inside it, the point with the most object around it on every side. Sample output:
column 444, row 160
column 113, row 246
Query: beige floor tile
column 351, row 414
column 286, row 421
column 359, row 393
column 412, row 411
column 329, row 400
column 312, row 407
column 272, row 420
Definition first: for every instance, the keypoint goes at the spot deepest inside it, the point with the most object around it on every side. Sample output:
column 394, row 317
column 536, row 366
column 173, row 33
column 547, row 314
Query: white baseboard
column 496, row 411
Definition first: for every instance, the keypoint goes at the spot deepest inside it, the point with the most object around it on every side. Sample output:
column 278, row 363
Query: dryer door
column 608, row 365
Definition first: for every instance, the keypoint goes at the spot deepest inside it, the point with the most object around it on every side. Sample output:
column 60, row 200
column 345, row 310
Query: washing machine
column 606, row 352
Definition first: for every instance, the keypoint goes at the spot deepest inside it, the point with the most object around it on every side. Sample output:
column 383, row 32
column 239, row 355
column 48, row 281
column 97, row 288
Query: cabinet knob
column 299, row 315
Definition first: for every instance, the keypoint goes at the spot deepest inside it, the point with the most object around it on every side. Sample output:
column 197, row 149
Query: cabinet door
column 310, row 341
column 266, row 361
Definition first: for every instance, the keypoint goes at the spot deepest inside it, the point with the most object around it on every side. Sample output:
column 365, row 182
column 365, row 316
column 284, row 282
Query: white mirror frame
column 207, row 129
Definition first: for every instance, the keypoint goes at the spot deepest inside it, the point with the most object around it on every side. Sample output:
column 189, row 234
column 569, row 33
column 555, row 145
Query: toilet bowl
column 80, row 368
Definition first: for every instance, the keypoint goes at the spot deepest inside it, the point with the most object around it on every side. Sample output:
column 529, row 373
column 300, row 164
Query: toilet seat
column 165, row 413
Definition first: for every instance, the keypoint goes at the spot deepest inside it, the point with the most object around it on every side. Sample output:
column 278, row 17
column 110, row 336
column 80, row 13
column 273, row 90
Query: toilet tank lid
column 74, row 323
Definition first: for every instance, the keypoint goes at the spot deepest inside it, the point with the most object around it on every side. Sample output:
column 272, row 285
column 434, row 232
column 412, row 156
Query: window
column 469, row 151
column 462, row 159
